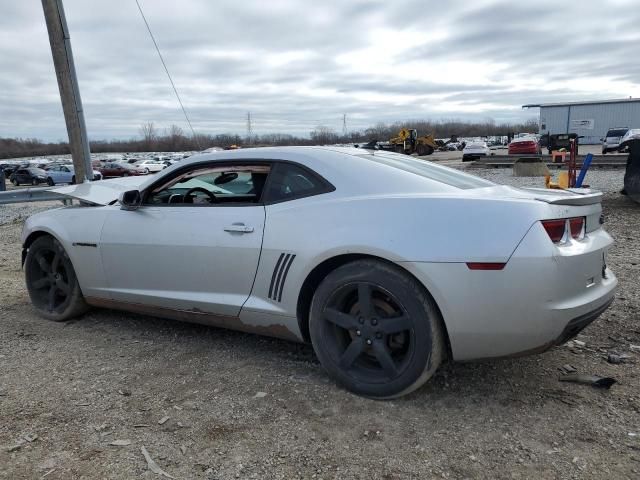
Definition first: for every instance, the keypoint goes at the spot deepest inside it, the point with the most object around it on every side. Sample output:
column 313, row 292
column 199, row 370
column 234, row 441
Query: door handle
column 238, row 228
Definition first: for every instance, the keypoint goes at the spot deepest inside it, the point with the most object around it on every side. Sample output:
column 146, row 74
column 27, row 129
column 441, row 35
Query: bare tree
column 323, row 135
column 149, row 134
column 174, row 138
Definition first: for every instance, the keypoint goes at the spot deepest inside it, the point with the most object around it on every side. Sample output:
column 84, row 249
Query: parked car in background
column 65, row 174
column 148, row 166
column 475, row 150
column 632, row 134
column 28, row 176
column 8, row 168
column 524, row 145
column 115, row 169
column 612, row 140
column 427, row 263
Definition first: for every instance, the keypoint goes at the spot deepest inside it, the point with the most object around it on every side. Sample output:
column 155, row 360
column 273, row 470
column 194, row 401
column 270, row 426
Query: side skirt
column 197, row 316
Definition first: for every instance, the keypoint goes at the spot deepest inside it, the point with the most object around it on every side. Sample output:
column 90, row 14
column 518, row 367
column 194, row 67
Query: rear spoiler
column 569, row 196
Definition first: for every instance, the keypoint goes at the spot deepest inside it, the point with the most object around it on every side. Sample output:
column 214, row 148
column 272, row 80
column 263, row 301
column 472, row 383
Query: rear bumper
column 524, row 151
column 541, row 298
column 575, row 326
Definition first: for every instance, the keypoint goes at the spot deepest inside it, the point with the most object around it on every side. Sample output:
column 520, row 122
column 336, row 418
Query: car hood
column 101, row 192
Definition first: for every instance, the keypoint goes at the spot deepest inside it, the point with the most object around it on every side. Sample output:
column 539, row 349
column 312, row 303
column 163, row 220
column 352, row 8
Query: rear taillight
column 555, row 229
column 559, row 230
column 576, row 225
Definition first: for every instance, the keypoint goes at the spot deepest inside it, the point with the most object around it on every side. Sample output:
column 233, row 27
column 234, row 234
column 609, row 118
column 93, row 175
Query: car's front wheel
column 376, row 330
column 51, row 281
column 50, row 182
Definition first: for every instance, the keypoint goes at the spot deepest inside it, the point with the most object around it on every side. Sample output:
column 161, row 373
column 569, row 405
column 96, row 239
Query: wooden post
column 69, row 92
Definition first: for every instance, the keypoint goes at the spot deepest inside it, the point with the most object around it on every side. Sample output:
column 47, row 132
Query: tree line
column 174, row 139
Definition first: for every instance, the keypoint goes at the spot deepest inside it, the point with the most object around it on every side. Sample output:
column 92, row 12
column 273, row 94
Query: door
column 193, row 245
column 22, row 176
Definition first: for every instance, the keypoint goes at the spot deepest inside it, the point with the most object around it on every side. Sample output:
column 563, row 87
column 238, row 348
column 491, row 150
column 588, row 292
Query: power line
column 168, row 74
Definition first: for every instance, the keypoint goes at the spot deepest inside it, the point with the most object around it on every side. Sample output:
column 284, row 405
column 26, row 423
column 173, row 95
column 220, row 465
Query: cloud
column 297, row 64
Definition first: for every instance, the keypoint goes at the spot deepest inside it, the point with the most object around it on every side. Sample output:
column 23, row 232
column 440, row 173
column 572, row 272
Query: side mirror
column 130, row 200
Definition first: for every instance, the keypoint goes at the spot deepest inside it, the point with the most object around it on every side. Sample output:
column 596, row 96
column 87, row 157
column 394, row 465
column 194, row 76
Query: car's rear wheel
column 15, row 182
column 376, row 330
column 51, row 281
column 34, row 181
column 146, row 171
column 73, row 180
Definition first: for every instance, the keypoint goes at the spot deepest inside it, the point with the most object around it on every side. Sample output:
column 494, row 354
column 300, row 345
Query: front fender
column 78, row 231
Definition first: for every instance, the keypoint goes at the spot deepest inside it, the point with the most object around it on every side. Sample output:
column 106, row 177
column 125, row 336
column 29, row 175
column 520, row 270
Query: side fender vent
column 279, row 276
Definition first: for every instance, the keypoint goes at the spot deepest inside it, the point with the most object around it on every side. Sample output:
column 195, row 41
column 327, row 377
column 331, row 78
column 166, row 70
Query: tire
column 51, row 281
column 424, row 150
column 50, row 182
column 146, row 171
column 354, row 339
column 73, row 180
column 34, row 181
column 604, row 151
column 15, row 182
column 125, row 174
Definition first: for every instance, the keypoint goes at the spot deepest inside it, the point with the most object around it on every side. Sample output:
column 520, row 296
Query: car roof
column 353, row 171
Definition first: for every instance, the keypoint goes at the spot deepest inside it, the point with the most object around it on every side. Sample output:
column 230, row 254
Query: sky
column 299, row 64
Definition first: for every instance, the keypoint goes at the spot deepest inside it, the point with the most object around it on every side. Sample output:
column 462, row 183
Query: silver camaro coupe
column 388, row 265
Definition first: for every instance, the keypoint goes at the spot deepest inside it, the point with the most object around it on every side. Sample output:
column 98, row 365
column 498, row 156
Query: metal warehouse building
column 588, row 119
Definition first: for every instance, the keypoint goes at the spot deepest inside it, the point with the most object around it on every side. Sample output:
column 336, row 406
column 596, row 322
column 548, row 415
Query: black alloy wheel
column 372, row 332
column 375, row 329
column 51, row 281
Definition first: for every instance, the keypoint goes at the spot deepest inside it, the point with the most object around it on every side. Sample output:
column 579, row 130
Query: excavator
column 407, row 141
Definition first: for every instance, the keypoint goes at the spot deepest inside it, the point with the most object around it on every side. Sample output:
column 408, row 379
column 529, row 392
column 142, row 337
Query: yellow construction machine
column 407, row 141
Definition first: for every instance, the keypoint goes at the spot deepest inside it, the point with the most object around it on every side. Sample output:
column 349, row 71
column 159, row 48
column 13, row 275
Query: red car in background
column 524, row 145
column 114, row 169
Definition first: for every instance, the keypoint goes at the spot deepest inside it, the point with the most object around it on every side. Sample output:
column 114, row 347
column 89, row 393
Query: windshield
column 448, row 176
column 616, row 132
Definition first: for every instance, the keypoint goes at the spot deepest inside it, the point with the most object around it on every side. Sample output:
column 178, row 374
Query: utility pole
column 249, row 128
column 69, row 92
column 344, row 125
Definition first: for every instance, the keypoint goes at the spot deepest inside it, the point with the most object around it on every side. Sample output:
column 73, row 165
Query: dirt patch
column 79, row 386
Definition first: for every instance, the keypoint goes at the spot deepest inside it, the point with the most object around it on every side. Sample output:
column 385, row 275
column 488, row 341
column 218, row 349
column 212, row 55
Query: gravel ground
column 81, row 399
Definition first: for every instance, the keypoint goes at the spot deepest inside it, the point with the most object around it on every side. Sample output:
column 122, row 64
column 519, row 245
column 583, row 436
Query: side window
column 289, row 181
column 212, row 185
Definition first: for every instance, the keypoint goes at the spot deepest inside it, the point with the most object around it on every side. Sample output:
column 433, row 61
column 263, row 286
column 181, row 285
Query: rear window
column 432, row 171
column 616, row 132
